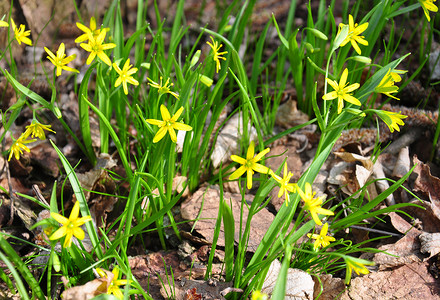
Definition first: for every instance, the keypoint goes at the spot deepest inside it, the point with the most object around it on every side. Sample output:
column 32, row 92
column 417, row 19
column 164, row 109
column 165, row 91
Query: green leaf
column 229, row 228
column 77, row 190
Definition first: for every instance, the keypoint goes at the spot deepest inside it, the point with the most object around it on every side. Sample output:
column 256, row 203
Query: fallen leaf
column 427, row 183
column 327, row 287
column 209, row 197
column 404, row 251
column 90, row 289
column 188, row 289
column 289, row 116
column 410, row 281
column 403, row 163
column 430, row 243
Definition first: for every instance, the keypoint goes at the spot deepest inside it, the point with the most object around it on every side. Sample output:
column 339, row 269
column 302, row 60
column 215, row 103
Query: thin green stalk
column 14, row 258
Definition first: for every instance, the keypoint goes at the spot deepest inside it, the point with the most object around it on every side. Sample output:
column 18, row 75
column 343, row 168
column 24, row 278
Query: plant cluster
column 162, row 92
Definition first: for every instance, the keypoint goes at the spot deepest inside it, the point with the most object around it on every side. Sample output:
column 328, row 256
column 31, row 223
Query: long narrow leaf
column 79, row 194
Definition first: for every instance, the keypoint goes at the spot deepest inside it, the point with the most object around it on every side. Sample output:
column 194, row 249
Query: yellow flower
column 217, row 55
column 395, row 75
column 3, row 24
column 71, row 226
column 250, row 164
column 386, row 85
column 168, row 124
column 322, row 240
column 20, row 34
column 428, row 5
column 125, row 75
column 356, row 264
column 93, row 30
column 113, row 287
column 18, row 146
column 313, row 204
column 257, row 295
column 354, row 36
column 285, row 186
column 163, row 89
column 60, row 60
column 392, row 119
column 96, row 48
column 36, row 129
column 342, row 92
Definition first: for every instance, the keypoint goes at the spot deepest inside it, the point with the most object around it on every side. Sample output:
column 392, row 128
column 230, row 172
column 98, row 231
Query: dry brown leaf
column 430, row 243
column 410, row 281
column 352, row 157
column 426, row 218
column 190, row 209
column 188, row 289
column 327, row 287
column 289, row 116
column 427, row 183
column 403, row 163
column 407, row 249
column 90, row 289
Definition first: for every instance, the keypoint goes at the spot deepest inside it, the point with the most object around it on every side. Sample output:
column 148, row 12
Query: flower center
column 249, row 164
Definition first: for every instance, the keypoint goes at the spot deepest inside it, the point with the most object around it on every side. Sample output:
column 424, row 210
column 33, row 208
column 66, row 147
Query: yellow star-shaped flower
column 96, row 48
column 3, row 23
column 217, row 55
column 36, row 129
column 357, row 265
column 285, row 186
column 60, row 60
column 342, row 91
column 354, row 36
column 428, row 5
column 313, row 204
column 258, row 295
column 392, row 119
column 168, row 124
column 71, row 226
column 250, row 164
column 125, row 75
column 386, row 85
column 18, row 146
column 91, row 29
column 113, row 287
column 163, row 89
column 20, row 34
column 322, row 240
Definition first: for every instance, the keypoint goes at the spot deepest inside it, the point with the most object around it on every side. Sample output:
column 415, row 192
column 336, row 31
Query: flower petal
column 75, row 212
column 177, row 114
column 251, row 151
column 59, row 233
column 78, row 233
column 237, row 173
column 59, row 218
column 165, row 113
column 238, row 159
column 160, row 134
column 181, row 126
